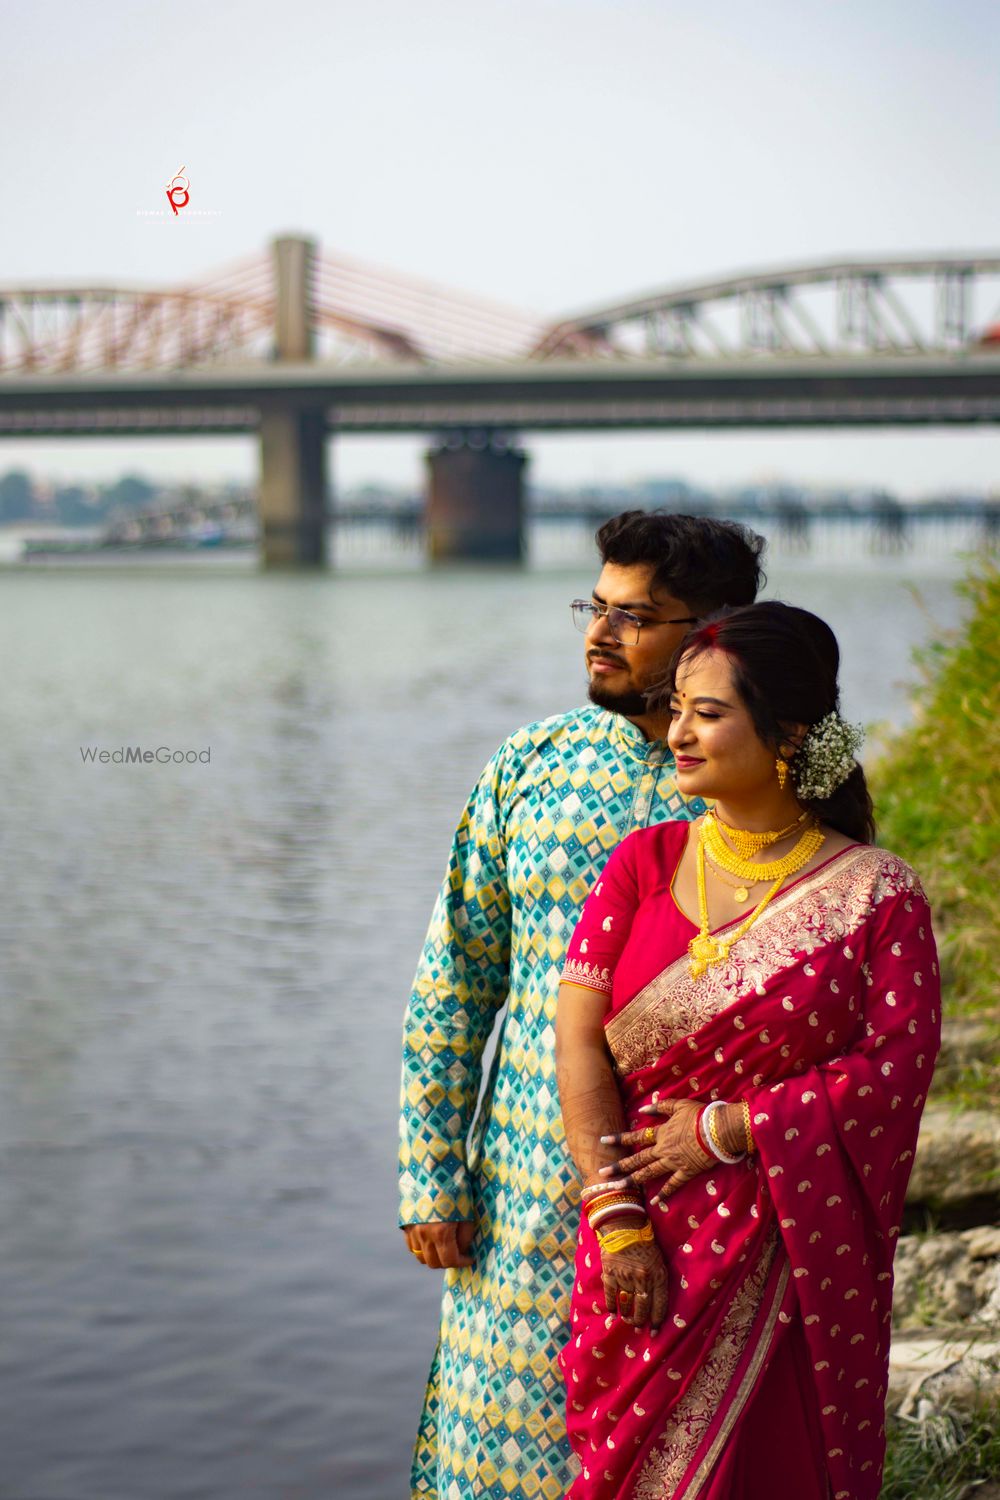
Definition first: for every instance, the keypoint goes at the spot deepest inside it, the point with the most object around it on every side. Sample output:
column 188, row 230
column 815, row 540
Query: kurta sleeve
column 460, row 985
column 605, row 922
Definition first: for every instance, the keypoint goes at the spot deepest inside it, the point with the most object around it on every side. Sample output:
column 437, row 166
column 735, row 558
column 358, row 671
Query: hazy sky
column 548, row 153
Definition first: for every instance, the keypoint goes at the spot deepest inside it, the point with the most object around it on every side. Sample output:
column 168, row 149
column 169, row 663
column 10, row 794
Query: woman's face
column 715, row 744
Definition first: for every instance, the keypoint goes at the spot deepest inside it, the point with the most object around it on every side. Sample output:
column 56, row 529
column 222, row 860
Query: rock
column 965, row 1042
column 942, row 1280
column 958, row 1158
column 984, row 1242
column 942, row 1370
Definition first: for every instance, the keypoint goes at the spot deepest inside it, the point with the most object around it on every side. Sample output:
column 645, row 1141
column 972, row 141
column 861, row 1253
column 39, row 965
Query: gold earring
column 782, row 768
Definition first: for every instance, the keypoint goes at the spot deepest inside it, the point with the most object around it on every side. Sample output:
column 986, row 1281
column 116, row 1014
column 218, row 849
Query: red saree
column 775, row 1347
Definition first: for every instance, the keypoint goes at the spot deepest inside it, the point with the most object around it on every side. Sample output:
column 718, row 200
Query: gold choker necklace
column 746, row 842
column 810, row 840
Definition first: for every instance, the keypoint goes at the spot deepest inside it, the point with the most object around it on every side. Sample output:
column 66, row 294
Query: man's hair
column 703, row 562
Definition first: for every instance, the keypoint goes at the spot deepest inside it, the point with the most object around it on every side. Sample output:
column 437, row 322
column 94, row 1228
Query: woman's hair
column 703, row 562
column 784, row 662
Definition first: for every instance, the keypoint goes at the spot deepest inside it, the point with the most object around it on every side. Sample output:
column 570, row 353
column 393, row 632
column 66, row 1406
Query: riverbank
column 937, row 806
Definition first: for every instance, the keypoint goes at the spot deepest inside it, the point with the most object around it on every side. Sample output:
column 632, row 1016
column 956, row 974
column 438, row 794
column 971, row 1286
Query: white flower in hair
column 826, row 757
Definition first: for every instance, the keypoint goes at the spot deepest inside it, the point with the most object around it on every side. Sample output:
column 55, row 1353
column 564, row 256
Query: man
column 498, row 1208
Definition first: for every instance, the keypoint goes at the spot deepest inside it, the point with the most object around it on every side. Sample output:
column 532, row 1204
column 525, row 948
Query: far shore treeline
column 24, row 497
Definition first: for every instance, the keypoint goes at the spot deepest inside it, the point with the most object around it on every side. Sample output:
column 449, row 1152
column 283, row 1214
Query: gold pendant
column 705, row 951
column 741, row 894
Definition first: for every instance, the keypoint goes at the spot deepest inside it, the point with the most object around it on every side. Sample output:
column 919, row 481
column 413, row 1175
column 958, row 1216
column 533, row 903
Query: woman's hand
column 635, row 1284
column 673, row 1151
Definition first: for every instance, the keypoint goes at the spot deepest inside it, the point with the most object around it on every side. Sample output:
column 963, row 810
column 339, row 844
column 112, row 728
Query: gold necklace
column 810, row 841
column 747, row 842
column 738, row 887
column 706, row 949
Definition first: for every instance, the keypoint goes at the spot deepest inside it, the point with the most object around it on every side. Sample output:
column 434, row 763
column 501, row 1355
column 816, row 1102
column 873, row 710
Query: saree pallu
column 825, row 1018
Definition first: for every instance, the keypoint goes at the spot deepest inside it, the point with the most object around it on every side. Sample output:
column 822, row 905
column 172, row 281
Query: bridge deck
column 864, row 391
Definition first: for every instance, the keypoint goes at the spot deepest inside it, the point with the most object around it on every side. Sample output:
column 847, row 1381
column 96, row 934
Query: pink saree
column 774, row 1352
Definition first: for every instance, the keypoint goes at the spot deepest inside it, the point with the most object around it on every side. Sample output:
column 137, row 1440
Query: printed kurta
column 553, row 802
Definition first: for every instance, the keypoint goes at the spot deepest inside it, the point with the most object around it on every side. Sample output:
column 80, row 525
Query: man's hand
column 441, row 1246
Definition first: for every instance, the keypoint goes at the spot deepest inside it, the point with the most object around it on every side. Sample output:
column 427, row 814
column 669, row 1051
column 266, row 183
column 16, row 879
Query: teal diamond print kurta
column 544, row 816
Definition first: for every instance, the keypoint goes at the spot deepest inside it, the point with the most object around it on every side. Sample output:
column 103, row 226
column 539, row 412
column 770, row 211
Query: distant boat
column 205, row 534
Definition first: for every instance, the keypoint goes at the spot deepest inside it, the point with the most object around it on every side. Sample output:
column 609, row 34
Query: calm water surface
column 204, row 1295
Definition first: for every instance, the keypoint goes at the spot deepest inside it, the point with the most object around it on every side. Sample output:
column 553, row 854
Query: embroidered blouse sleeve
column 605, row 922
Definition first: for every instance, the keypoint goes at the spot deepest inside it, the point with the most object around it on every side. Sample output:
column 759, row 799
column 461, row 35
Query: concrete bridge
column 297, row 347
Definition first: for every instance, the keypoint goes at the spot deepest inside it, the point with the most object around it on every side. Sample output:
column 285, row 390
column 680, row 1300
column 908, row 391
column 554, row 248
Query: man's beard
column 627, row 701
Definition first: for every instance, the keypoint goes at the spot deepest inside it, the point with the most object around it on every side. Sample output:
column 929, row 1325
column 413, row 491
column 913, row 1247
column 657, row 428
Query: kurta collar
column 631, row 737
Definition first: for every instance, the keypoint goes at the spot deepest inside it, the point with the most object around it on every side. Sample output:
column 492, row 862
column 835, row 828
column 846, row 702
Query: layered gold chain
column 739, row 888
column 810, row 840
column 707, row 949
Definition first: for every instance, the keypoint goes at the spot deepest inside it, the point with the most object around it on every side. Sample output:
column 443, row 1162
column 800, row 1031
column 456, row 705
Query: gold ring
column 649, row 1135
column 624, row 1300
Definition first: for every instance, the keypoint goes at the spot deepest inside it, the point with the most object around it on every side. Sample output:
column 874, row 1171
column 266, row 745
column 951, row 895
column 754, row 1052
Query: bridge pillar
column 475, row 501
column 293, row 487
column 293, row 474
column 293, row 275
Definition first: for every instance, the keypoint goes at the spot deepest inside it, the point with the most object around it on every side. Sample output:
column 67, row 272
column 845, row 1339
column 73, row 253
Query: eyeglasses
column 624, row 626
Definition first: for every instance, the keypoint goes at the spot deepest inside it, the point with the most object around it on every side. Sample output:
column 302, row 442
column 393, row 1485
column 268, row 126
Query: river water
column 204, row 1295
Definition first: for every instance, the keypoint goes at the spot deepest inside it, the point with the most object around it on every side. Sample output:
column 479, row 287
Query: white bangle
column 706, row 1130
column 612, row 1209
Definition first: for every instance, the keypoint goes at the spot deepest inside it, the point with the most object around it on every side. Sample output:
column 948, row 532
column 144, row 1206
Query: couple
column 747, row 1021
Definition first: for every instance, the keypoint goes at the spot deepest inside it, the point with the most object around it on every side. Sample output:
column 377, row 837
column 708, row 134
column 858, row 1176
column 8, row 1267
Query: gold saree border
column 824, row 907
column 746, row 1385
column 673, row 1452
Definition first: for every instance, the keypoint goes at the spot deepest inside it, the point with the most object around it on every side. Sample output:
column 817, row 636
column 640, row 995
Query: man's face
column 620, row 674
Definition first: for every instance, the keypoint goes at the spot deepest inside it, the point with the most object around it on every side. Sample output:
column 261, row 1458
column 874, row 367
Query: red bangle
column 701, row 1135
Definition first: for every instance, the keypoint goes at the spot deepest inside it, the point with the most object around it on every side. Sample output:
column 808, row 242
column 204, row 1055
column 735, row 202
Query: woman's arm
column 634, row 1278
column 588, row 1091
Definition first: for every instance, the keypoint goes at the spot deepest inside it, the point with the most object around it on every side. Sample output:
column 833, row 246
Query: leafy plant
column 936, row 800
column 916, row 1466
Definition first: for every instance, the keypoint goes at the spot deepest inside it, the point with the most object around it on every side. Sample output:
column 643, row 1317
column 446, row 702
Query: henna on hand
column 640, row 1272
column 676, row 1154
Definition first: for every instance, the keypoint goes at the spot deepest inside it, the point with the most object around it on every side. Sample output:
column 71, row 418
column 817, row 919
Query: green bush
column 937, row 805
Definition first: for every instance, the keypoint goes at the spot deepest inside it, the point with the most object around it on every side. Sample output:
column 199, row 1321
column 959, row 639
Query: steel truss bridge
column 297, row 345
column 925, row 305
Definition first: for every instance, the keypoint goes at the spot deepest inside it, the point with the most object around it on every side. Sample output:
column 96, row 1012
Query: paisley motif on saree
column 826, row 1020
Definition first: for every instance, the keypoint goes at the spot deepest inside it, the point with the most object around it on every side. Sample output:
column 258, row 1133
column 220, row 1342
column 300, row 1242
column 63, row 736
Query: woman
column 747, row 1027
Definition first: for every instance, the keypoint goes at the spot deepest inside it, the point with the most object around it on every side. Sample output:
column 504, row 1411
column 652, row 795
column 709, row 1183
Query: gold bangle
column 604, row 1200
column 746, row 1127
column 621, row 1239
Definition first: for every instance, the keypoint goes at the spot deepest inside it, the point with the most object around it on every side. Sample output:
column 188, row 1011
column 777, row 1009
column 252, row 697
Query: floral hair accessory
column 826, row 757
